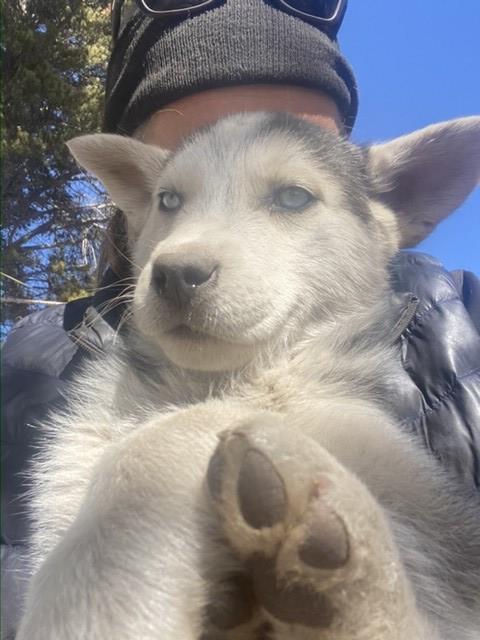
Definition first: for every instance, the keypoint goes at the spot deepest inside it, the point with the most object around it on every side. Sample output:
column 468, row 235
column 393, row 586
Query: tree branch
column 30, row 301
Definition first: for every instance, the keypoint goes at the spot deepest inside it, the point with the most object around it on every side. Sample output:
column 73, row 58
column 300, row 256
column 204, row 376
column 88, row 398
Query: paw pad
column 232, row 605
column 290, row 602
column 261, row 491
column 326, row 543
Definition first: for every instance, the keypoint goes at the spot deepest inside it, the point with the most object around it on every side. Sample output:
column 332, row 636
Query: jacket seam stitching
column 448, row 392
column 434, row 306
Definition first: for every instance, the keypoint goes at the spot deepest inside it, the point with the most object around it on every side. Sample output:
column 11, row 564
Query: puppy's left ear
column 128, row 168
column 424, row 176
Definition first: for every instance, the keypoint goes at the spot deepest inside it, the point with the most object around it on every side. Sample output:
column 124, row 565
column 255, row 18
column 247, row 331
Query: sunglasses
column 326, row 15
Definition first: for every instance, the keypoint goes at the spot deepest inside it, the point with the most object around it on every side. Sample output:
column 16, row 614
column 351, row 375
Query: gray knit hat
column 239, row 42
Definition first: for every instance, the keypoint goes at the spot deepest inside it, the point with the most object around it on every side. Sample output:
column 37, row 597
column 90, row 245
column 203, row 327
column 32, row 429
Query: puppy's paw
column 315, row 542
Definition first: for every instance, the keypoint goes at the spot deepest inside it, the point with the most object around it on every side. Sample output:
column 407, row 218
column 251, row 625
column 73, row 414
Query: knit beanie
column 155, row 61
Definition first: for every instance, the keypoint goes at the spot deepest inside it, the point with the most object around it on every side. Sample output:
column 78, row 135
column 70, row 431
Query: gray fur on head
column 369, row 203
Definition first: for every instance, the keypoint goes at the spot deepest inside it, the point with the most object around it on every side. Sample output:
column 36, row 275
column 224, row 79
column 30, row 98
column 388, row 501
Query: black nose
column 178, row 280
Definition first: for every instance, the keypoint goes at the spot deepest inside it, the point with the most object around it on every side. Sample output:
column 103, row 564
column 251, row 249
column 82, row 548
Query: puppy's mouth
column 183, row 332
column 203, row 351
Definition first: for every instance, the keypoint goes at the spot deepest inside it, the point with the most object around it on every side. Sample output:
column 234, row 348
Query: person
column 171, row 72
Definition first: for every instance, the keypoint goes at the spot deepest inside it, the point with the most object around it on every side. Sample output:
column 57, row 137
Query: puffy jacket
column 437, row 393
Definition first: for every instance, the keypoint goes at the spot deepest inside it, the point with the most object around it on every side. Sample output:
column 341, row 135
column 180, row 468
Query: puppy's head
column 262, row 223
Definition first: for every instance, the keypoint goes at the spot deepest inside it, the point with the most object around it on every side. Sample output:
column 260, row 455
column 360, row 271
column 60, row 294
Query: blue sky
column 418, row 63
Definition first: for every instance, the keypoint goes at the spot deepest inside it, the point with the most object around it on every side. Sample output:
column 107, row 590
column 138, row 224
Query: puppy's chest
column 316, row 380
column 278, row 391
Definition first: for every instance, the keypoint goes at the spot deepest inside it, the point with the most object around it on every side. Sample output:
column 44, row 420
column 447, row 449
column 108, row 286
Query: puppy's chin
column 204, row 353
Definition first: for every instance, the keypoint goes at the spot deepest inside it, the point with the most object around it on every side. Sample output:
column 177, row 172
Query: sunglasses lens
column 324, row 9
column 172, row 5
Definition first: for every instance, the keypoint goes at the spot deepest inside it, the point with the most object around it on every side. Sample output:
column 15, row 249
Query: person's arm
column 33, row 356
column 440, row 354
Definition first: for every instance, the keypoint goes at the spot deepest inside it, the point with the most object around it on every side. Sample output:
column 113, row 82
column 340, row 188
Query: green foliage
column 54, row 64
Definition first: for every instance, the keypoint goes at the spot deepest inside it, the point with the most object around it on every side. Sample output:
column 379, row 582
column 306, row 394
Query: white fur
column 294, row 332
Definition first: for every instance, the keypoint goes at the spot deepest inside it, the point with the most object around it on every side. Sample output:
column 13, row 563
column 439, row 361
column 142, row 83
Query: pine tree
column 54, row 65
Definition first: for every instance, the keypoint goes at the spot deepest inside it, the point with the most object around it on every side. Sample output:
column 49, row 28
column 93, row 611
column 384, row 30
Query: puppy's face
column 255, row 228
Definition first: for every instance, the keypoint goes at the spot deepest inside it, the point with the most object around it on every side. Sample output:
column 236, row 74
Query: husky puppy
column 230, row 470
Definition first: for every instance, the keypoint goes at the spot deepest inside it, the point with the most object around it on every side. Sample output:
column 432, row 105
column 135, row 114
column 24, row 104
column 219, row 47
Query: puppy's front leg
column 133, row 563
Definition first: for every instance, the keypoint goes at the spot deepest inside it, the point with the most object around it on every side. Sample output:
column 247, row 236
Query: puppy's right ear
column 128, row 168
column 424, row 176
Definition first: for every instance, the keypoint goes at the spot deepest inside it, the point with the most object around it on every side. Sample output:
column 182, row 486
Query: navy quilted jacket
column 437, row 393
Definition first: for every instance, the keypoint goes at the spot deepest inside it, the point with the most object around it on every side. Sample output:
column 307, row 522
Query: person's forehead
column 178, row 120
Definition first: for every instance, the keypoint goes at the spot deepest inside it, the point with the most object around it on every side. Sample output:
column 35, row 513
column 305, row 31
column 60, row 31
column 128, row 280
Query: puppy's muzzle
column 178, row 279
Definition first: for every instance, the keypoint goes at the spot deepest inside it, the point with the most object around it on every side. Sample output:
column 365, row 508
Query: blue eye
column 292, row 198
column 169, row 201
